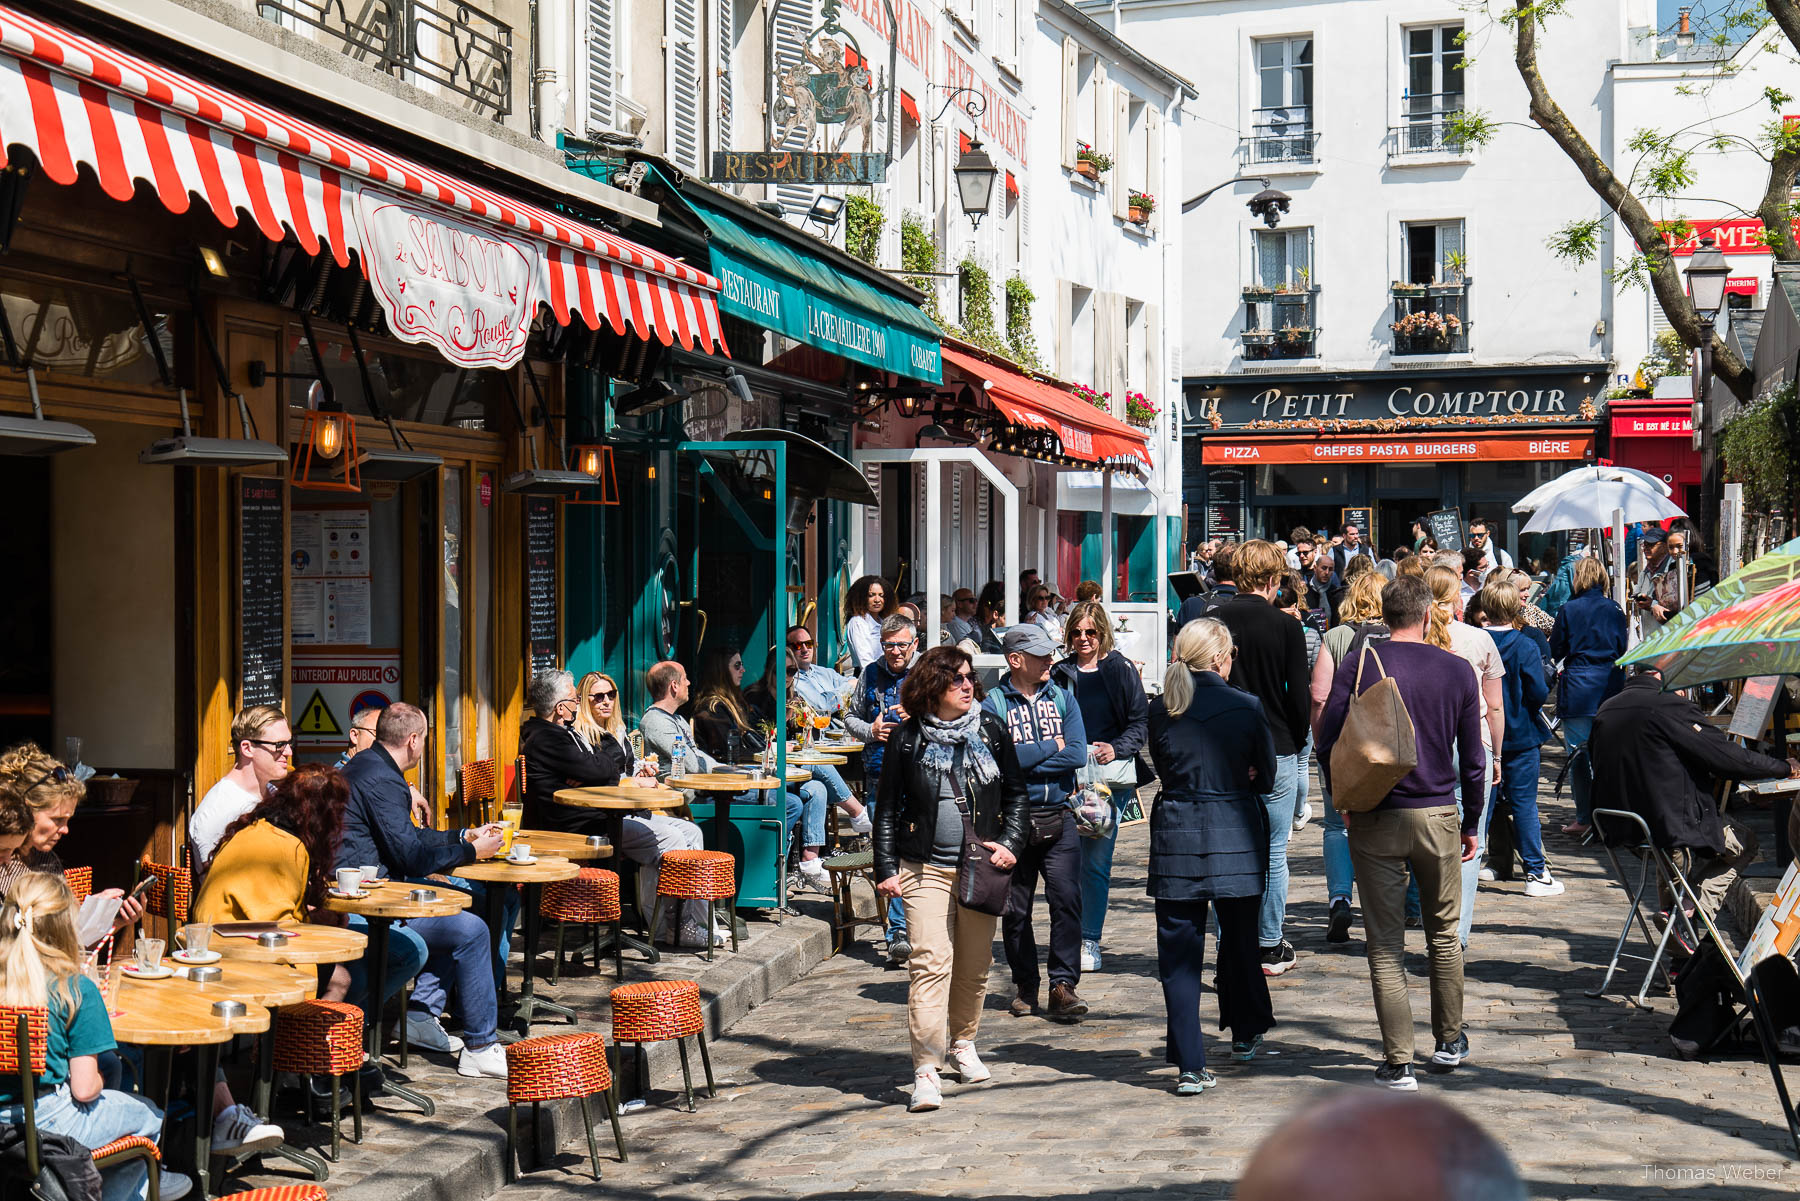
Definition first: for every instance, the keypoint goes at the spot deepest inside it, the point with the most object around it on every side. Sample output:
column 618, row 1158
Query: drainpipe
column 551, row 43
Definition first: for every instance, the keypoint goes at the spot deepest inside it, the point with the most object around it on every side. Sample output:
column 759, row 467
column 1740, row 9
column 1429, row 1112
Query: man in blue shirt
column 1046, row 728
column 378, row 829
column 874, row 712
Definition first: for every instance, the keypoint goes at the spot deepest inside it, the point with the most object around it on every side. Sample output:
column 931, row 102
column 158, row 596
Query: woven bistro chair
column 480, row 790
column 323, row 1038
column 843, row 871
column 654, row 1011
column 709, row 876
column 170, row 896
column 285, row 1192
column 29, row 1027
column 80, row 881
column 590, row 899
column 558, row 1067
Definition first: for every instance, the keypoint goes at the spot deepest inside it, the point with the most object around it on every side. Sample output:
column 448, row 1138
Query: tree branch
column 1665, row 279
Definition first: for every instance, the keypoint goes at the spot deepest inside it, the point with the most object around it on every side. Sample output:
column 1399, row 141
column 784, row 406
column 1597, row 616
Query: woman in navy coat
column 1209, row 843
column 1589, row 636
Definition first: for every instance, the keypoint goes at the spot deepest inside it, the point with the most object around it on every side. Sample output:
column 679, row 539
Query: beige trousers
column 952, row 950
column 1713, row 875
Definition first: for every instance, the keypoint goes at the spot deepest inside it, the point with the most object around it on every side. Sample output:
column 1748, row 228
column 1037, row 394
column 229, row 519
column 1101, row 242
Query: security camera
column 1269, row 205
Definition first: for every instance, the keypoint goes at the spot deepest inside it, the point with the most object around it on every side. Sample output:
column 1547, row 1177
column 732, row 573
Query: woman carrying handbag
column 949, row 824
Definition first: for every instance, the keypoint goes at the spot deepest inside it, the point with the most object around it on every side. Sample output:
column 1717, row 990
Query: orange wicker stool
column 590, row 899
column 709, row 876
column 653, row 1011
column 80, row 881
column 286, row 1192
column 557, row 1067
column 323, row 1038
column 170, row 895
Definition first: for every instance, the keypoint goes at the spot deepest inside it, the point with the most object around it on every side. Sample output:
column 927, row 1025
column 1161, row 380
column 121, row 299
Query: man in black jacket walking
column 1271, row 666
column 1655, row 754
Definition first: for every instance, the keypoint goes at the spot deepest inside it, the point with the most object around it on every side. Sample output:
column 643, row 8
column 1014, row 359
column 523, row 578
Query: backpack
column 1377, row 747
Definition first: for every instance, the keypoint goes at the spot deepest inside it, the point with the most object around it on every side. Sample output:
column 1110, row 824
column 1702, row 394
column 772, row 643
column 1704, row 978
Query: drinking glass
column 149, row 952
column 196, row 938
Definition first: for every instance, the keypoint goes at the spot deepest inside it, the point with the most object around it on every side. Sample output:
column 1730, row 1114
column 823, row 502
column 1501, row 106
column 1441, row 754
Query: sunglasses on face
column 799, row 643
column 271, row 747
column 602, row 696
column 1085, row 634
column 793, row 671
column 962, row 679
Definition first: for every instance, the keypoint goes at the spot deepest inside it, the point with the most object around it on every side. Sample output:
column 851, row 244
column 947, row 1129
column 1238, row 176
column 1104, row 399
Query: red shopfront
column 1657, row 436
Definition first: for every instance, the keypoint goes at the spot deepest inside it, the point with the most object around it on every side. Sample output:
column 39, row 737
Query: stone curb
column 466, row 1161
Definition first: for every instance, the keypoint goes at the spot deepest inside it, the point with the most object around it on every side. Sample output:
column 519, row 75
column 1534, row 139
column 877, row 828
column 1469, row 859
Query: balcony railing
column 1427, row 126
column 1431, row 318
column 1280, row 325
column 1280, row 135
column 442, row 45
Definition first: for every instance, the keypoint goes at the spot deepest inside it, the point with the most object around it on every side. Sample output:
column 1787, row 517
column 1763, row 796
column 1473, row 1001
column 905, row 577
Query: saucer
column 518, row 862
column 347, row 896
column 137, row 973
column 196, row 959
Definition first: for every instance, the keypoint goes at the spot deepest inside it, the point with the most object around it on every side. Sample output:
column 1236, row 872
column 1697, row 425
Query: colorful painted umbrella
column 1746, row 625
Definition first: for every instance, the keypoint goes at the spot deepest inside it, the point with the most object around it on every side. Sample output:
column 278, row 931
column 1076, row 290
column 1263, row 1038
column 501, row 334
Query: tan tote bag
column 1377, row 748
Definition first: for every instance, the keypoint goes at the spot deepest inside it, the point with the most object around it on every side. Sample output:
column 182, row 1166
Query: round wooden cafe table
column 563, row 845
column 728, row 784
column 533, row 876
column 616, row 801
column 386, row 902
column 817, row 759
column 308, row 943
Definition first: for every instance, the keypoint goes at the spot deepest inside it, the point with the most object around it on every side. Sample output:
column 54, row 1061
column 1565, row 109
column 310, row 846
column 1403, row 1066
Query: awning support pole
column 1109, row 551
column 934, row 550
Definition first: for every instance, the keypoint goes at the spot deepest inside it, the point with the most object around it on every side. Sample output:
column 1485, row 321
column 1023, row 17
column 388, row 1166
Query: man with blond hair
column 1271, row 666
column 261, row 741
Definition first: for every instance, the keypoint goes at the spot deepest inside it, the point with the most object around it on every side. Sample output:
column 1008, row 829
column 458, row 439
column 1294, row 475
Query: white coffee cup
column 370, row 875
column 349, row 880
column 521, row 851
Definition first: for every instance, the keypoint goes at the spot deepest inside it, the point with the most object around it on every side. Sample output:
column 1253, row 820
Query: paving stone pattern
column 1581, row 1092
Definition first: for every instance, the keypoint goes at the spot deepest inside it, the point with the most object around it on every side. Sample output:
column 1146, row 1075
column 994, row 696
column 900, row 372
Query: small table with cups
column 533, row 874
column 617, row 801
column 382, row 903
column 562, row 844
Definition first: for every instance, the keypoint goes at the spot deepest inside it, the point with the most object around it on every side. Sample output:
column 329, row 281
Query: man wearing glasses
column 261, row 740
column 961, row 625
column 361, row 734
column 875, row 712
column 823, row 691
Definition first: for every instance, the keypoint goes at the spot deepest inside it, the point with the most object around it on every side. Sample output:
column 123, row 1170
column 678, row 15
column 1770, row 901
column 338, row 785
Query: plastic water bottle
column 678, row 757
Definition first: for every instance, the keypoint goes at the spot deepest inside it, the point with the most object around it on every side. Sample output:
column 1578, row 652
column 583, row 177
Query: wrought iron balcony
column 1280, row 324
column 1280, row 135
column 1431, row 318
column 1427, row 127
column 440, row 45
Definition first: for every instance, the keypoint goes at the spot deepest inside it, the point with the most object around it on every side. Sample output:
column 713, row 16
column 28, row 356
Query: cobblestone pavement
column 1581, row 1092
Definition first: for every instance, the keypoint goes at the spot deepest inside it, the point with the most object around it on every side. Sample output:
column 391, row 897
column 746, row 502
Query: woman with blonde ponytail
column 1209, row 843
column 40, row 967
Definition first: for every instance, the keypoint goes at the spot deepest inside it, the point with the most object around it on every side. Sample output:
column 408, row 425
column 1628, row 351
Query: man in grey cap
column 1046, row 729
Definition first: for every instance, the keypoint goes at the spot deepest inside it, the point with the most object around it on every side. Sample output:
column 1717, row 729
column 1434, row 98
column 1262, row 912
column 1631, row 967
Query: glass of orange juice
column 820, row 723
column 510, row 817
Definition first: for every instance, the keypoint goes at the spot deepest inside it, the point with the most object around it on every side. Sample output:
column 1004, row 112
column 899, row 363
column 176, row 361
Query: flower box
column 1086, row 169
column 1138, row 216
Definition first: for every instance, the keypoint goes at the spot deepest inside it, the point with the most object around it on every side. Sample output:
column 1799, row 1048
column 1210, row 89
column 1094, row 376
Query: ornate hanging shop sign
column 830, row 85
column 467, row 291
column 788, row 166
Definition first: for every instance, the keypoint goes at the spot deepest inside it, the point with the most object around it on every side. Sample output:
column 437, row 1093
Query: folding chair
column 1652, row 865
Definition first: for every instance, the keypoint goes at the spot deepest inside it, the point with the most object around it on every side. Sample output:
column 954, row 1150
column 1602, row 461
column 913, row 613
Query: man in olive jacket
column 1655, row 754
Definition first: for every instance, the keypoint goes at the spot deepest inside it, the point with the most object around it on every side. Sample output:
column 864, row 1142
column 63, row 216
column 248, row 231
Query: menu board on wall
column 261, row 611
column 1363, row 519
column 540, row 582
column 1227, row 497
column 1446, row 528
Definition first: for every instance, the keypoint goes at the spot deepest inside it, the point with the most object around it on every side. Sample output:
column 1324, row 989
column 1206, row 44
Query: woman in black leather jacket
column 950, row 758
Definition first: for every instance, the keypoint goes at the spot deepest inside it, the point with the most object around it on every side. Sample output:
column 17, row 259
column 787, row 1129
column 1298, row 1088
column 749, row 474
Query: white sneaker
column 862, row 823
column 818, row 879
column 1486, row 873
column 424, row 1033
column 1543, row 885
column 1301, row 818
column 927, row 1092
column 238, row 1131
column 487, row 1061
column 173, row 1186
column 1090, row 954
column 967, row 1065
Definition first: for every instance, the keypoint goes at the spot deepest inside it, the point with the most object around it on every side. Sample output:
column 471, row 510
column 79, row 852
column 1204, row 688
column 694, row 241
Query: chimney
column 1684, row 32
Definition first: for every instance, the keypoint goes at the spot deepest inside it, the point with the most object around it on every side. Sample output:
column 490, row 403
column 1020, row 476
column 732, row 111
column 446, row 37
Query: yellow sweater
column 258, row 876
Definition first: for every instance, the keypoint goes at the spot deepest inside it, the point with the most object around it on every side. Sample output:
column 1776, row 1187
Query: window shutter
column 1120, row 177
column 682, row 102
column 1116, row 369
column 1104, row 345
column 1153, row 370
column 793, row 21
column 1065, row 327
column 722, row 134
column 1103, row 120
column 1153, row 160
column 1071, row 93
column 602, row 66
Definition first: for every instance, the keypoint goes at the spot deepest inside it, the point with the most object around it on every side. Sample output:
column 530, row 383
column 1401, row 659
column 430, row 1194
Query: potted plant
column 1141, row 205
column 1456, row 265
column 1258, row 343
column 1139, row 411
column 1296, row 335
column 1425, row 332
column 1089, row 162
column 1258, row 291
column 1405, row 288
column 1100, row 400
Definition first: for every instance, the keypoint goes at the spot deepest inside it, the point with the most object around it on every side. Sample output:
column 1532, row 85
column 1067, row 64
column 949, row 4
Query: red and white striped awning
column 74, row 102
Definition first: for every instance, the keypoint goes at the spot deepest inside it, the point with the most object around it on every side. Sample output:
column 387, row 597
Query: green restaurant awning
column 781, row 285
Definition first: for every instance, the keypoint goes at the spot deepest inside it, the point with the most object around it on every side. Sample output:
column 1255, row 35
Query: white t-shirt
column 1477, row 646
column 223, row 804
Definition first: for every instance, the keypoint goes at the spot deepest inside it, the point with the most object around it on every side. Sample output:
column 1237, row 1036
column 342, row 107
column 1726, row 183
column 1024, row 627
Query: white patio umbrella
column 1591, row 506
column 1542, row 494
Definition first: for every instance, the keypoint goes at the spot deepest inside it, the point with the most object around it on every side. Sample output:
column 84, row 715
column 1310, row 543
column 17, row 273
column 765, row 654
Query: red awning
column 1652, row 419
column 73, row 102
column 1012, row 185
column 1402, row 448
column 1086, row 432
column 910, row 107
column 963, row 143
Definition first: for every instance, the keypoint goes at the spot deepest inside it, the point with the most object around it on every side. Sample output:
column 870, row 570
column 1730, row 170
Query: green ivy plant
column 1757, row 451
column 919, row 252
column 978, row 307
column 863, row 222
column 1019, row 338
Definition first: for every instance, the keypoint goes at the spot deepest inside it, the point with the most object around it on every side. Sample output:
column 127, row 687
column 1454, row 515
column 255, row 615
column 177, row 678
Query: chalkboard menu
column 1445, row 526
column 1227, row 502
column 1363, row 519
column 540, row 581
column 262, row 622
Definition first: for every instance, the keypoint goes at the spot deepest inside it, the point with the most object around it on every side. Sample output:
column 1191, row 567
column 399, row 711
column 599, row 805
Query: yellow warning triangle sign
column 316, row 718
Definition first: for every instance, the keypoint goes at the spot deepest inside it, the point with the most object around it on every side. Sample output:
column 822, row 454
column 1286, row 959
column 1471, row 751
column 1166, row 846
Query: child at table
column 40, row 967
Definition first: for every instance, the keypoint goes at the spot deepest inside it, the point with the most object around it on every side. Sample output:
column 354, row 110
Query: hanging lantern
column 597, row 461
column 328, row 438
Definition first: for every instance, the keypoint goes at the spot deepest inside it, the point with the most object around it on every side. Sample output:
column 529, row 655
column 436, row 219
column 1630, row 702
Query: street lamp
column 1706, row 273
column 975, row 175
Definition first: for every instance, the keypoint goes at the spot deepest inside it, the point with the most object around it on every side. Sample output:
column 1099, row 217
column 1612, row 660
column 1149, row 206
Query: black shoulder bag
column 980, row 885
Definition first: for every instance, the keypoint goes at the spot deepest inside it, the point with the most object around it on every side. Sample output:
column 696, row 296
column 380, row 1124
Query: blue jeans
column 813, row 798
column 1471, row 872
column 1575, row 732
column 896, row 913
column 458, row 952
column 1340, row 875
column 1519, row 792
column 1096, row 870
column 96, row 1123
column 509, row 914
column 405, row 957
column 1301, row 784
column 1278, row 802
column 835, row 787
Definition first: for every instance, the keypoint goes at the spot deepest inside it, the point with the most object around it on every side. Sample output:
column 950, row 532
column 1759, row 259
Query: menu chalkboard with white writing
column 1446, row 527
column 262, row 622
column 1227, row 496
column 540, row 582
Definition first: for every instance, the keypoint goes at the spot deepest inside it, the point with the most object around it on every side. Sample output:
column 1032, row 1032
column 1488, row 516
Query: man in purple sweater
column 1417, row 823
